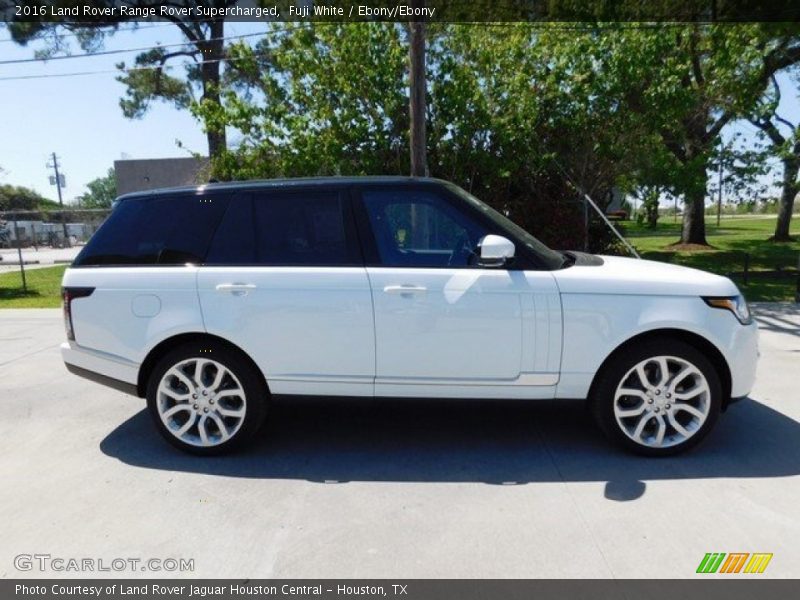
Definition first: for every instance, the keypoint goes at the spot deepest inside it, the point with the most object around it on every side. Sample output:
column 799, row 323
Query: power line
column 118, row 30
column 145, row 68
column 127, row 50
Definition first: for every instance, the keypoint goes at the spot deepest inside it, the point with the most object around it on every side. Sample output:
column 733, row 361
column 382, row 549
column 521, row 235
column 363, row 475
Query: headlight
column 736, row 304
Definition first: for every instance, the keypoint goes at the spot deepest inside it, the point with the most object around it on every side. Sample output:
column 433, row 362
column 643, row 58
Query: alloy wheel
column 662, row 401
column 201, row 402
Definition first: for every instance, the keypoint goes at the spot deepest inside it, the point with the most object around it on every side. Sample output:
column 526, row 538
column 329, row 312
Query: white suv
column 209, row 300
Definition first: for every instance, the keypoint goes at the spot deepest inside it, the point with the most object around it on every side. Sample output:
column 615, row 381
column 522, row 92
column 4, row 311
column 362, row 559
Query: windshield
column 550, row 258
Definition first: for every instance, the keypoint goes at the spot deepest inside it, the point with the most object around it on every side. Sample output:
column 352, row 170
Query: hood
column 619, row 275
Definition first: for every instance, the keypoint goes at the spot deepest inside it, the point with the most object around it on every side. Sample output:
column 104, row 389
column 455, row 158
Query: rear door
column 284, row 280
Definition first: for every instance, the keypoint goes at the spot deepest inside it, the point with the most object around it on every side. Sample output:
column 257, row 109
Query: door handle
column 405, row 289
column 237, row 289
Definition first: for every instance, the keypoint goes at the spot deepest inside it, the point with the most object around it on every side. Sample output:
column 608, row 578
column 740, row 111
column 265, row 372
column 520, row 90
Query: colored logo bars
column 734, row 562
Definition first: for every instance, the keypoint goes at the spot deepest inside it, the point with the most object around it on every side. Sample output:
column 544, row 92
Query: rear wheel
column 206, row 399
column 657, row 398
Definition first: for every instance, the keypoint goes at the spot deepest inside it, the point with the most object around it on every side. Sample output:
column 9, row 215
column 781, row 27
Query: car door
column 284, row 280
column 444, row 325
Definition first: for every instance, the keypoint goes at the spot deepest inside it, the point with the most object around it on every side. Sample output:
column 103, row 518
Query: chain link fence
column 54, row 229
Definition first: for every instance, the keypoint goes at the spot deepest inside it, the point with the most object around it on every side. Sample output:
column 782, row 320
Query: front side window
column 419, row 228
column 160, row 230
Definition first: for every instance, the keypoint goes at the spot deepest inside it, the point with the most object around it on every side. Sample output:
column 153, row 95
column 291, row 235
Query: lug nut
column 205, row 410
column 211, row 401
column 658, row 392
column 657, row 409
column 205, row 393
column 195, row 407
column 668, row 395
column 649, row 400
column 194, row 396
column 668, row 406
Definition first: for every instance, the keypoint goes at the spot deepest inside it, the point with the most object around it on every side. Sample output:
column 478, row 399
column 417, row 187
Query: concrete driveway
column 398, row 489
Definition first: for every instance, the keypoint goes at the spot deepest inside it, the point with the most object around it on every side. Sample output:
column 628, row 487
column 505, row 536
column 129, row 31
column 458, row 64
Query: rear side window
column 161, row 230
column 303, row 229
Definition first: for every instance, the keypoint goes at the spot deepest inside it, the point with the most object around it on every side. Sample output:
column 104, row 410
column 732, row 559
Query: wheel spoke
column 175, row 372
column 198, row 371
column 662, row 429
column 692, row 392
column 218, row 378
column 631, row 412
column 223, row 430
column 677, row 426
column 691, row 410
column 201, row 429
column 176, row 409
column 630, row 392
column 168, row 391
column 643, row 379
column 682, row 374
column 230, row 412
column 229, row 393
column 663, row 367
column 637, row 433
column 186, row 426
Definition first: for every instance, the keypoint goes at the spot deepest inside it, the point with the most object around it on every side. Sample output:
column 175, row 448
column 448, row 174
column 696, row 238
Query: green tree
column 784, row 139
column 102, row 191
column 151, row 79
column 14, row 197
column 685, row 84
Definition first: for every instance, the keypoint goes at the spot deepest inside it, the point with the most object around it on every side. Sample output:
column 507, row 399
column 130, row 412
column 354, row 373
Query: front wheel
column 206, row 399
column 658, row 398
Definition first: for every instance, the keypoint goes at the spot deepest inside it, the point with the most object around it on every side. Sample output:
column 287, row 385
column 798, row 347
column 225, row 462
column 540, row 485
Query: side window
column 303, row 228
column 234, row 242
column 418, row 228
column 164, row 230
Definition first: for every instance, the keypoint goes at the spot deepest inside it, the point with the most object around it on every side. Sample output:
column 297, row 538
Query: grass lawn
column 731, row 241
column 44, row 288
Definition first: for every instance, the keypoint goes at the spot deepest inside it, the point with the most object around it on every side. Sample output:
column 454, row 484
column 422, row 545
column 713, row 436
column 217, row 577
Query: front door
column 444, row 326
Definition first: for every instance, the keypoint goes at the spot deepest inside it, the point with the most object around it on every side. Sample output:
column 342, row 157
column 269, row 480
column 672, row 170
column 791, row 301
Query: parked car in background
column 207, row 301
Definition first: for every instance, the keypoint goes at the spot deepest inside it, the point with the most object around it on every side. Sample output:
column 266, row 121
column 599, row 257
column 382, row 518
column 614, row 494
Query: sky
column 79, row 118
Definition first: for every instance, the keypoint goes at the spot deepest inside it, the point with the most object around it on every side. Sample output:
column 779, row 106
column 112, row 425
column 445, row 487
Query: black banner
column 410, row 589
column 118, row 11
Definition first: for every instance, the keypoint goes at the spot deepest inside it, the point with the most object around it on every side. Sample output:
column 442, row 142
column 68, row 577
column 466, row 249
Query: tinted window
column 419, row 228
column 156, row 230
column 302, row 228
column 234, row 242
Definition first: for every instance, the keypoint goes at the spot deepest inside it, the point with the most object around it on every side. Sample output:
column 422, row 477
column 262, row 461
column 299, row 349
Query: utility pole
column 417, row 88
column 719, row 191
column 54, row 166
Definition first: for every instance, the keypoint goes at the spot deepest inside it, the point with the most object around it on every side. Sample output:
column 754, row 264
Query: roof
column 284, row 183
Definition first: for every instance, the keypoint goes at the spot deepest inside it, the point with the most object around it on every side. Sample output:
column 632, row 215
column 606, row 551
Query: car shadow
column 498, row 442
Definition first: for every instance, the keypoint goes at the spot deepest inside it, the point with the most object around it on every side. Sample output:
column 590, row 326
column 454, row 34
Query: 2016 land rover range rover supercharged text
column 209, row 300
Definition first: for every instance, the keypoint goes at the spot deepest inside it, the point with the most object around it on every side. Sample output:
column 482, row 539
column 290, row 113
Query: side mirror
column 495, row 251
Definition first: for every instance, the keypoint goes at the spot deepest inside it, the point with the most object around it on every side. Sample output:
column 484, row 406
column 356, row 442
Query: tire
column 216, row 415
column 654, row 415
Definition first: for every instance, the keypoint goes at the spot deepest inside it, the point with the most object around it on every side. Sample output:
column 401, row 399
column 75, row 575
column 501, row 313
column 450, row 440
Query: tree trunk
column 417, row 89
column 213, row 52
column 791, row 166
column 694, row 221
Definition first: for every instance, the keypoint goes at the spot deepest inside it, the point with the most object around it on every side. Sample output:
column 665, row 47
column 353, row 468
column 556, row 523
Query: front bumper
column 742, row 357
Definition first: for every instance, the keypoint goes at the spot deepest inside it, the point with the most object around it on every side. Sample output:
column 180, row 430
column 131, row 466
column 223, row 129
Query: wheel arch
column 702, row 344
column 165, row 346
